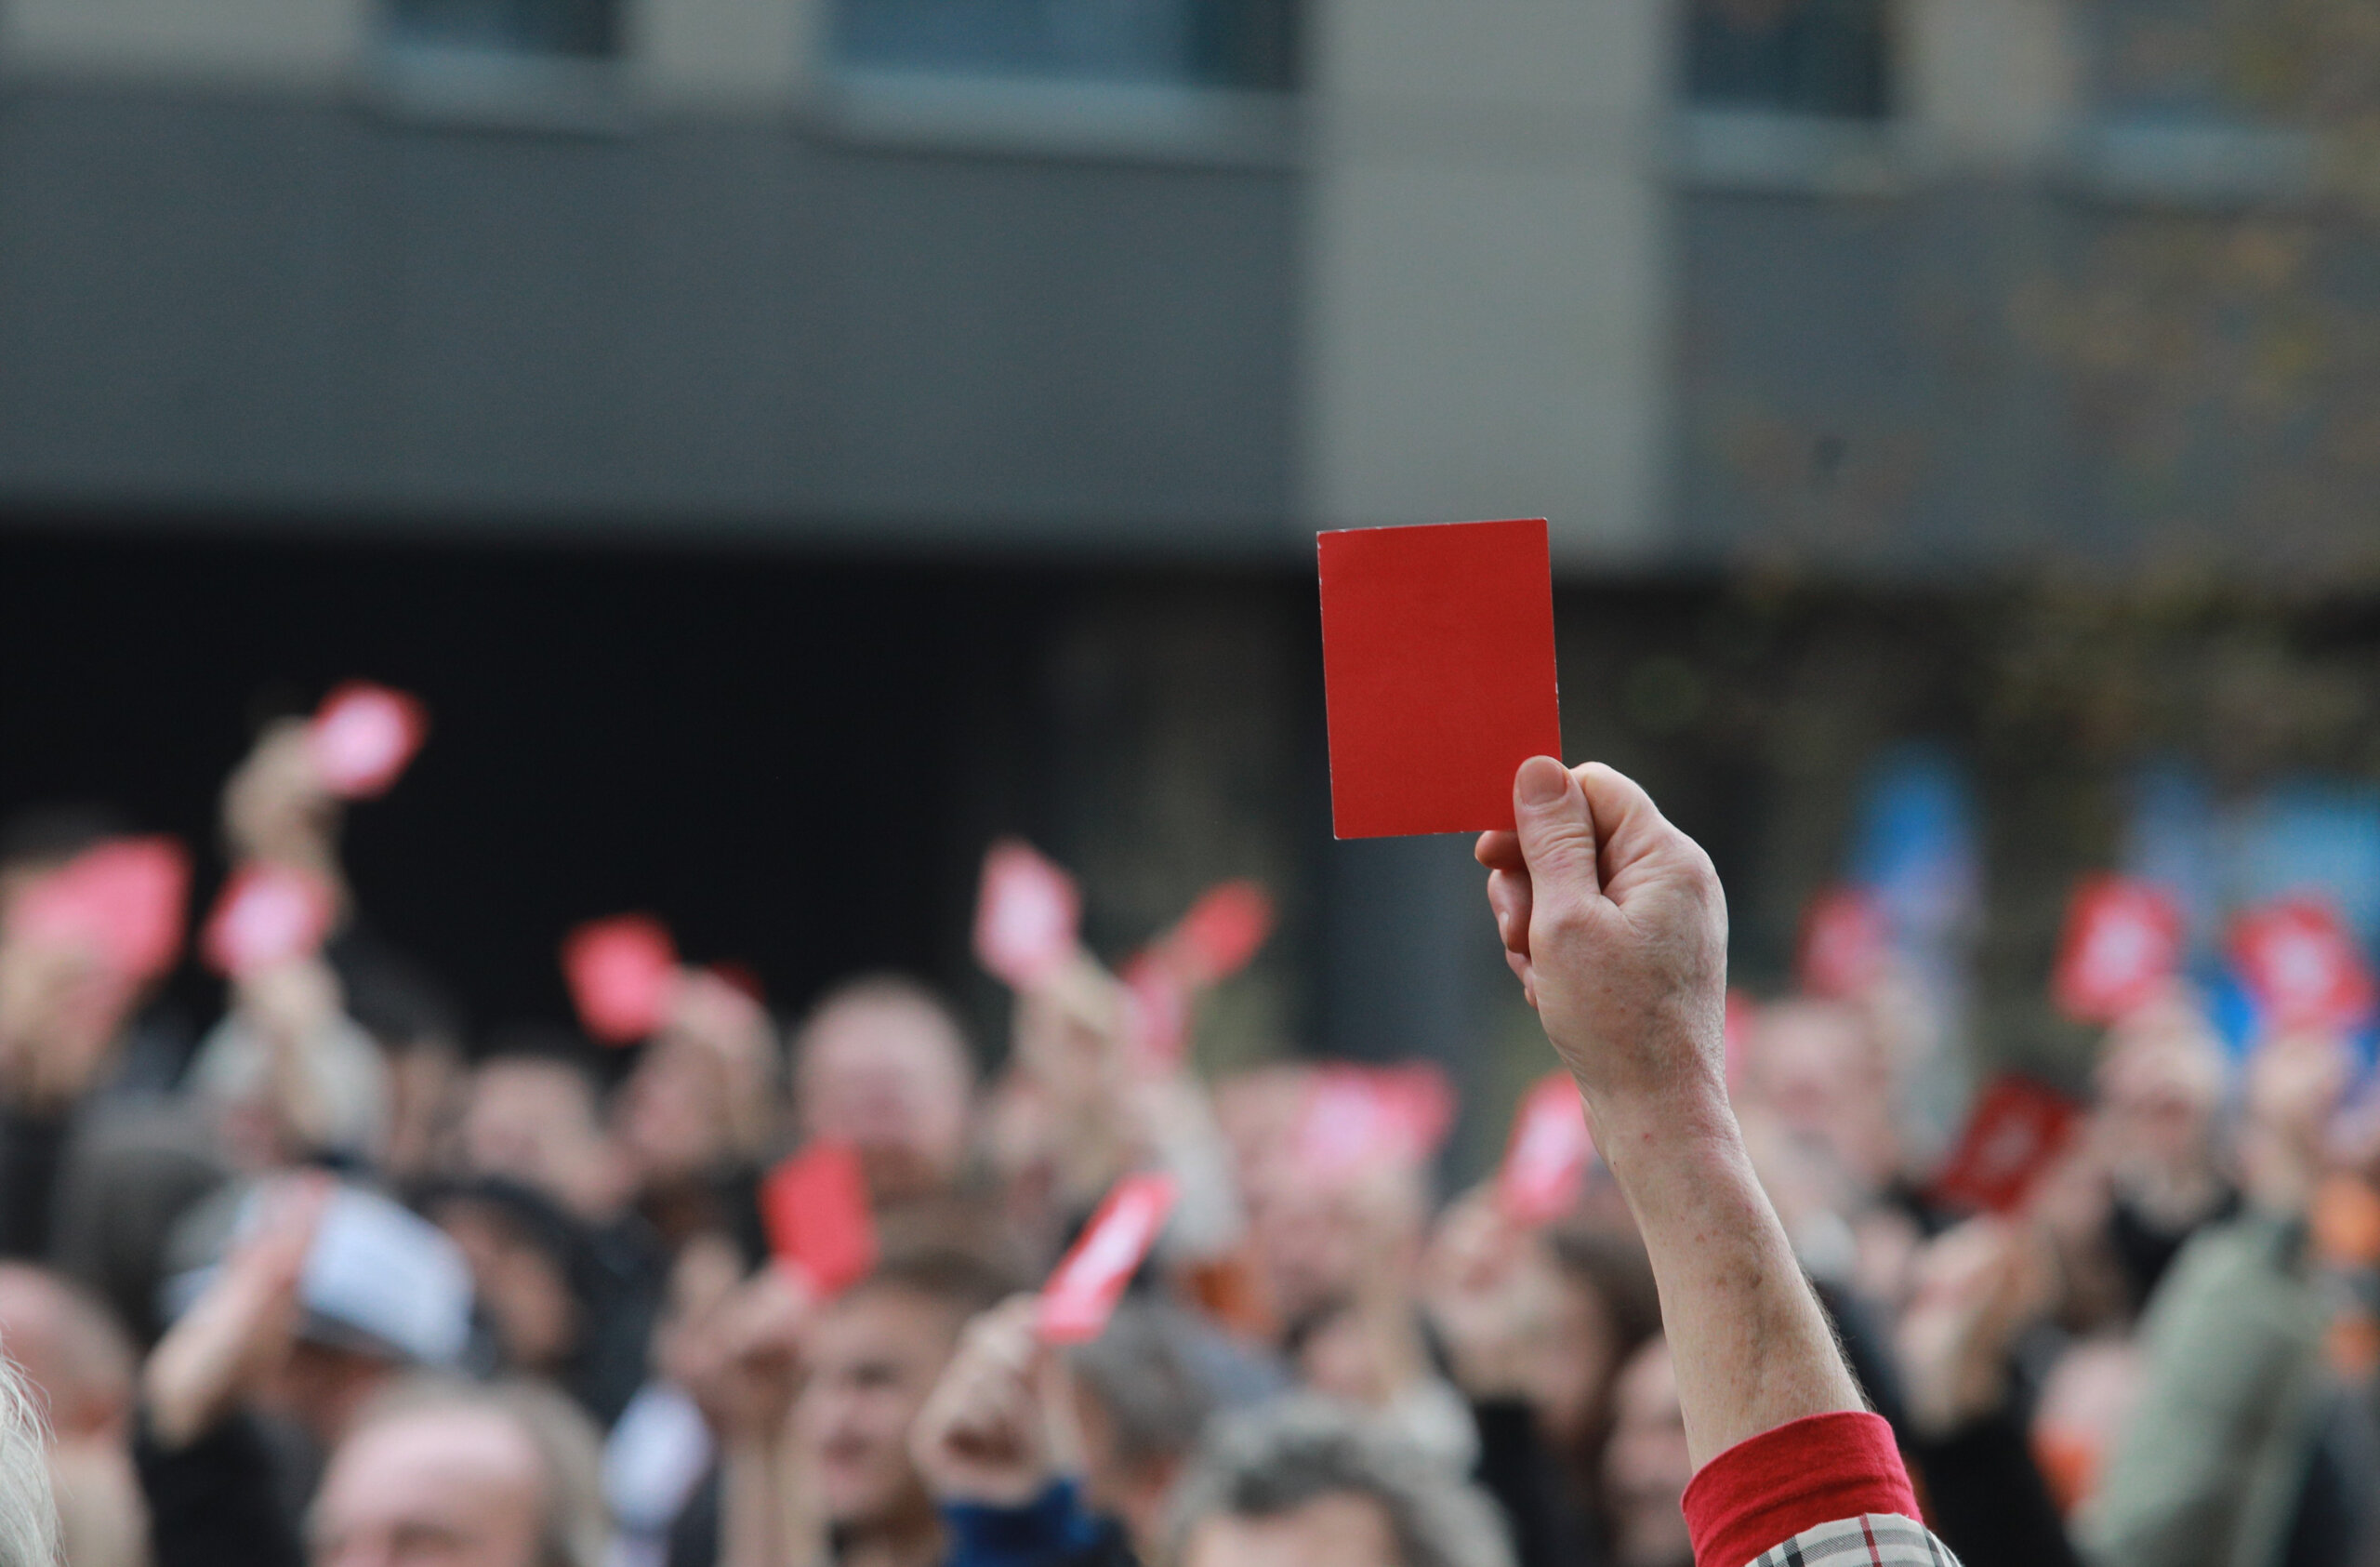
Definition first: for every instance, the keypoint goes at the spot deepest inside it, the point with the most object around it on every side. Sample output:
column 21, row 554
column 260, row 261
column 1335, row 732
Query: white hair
column 27, row 1511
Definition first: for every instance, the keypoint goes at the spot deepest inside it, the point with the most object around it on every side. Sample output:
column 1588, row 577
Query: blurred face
column 672, row 1111
column 873, row 1357
column 437, row 1488
column 535, row 1122
column 1646, row 1466
column 2159, row 1086
column 523, row 1292
column 1570, row 1372
column 1341, row 1530
column 886, row 1075
column 1819, row 1071
column 82, row 1376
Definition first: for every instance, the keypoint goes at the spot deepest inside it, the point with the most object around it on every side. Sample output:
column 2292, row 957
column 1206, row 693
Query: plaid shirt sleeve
column 1870, row 1540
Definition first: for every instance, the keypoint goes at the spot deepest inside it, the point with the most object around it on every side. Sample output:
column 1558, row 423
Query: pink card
column 623, row 973
column 1356, row 1117
column 1545, row 1165
column 1083, row 1290
column 2301, row 965
column 267, row 914
column 1157, row 1023
column 2015, row 1131
column 123, row 900
column 1845, row 943
column 362, row 736
column 1223, row 930
column 814, row 1206
column 1437, row 667
column 1026, row 916
column 2123, row 942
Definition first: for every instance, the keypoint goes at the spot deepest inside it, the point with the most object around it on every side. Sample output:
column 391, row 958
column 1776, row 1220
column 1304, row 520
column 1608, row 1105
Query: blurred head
column 2160, row 1085
column 872, row 1358
column 1304, row 1484
column 1604, row 1310
column 521, row 1248
column 1312, row 1237
column 454, row 1475
column 672, row 1116
column 1143, row 1393
column 1646, row 1466
column 882, row 1064
column 71, row 1350
column 533, row 1113
column 1819, row 1069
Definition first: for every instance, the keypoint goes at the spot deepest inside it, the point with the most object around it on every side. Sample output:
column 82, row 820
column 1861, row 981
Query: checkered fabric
column 1874, row 1540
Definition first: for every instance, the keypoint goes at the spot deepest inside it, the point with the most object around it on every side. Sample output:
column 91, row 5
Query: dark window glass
column 581, row 29
column 1802, row 57
column 1211, row 43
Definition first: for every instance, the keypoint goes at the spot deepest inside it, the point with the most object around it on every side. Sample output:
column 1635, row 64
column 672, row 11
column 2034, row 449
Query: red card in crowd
column 1545, row 1166
column 1026, row 916
column 622, row 973
column 2016, row 1130
column 2301, row 965
column 1223, row 930
column 267, row 914
column 123, row 900
column 814, row 1205
column 1355, row 1118
column 2123, row 942
column 1156, row 1027
column 1082, row 1292
column 1735, row 1034
column 362, row 736
column 1843, row 943
column 1437, row 663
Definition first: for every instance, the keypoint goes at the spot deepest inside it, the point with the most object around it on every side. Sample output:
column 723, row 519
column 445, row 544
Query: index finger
column 1500, row 850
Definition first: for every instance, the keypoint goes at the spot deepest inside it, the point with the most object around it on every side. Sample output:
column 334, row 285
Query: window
column 1241, row 44
column 552, row 29
column 1824, row 58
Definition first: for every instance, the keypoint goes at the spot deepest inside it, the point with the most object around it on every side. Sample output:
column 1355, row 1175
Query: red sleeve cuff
column 1766, row 1489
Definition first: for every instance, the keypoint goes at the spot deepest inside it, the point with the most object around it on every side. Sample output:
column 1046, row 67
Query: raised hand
column 1614, row 921
column 243, row 1326
column 984, row 1435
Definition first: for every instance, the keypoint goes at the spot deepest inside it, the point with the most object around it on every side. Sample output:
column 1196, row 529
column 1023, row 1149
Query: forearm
column 1752, row 1347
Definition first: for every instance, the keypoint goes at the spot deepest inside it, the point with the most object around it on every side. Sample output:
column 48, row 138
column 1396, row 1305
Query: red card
column 1437, row 667
column 1223, row 930
column 267, row 914
column 1026, row 917
column 1156, row 1024
column 123, row 900
column 1843, row 944
column 1082, row 1292
column 2301, row 965
column 362, row 736
column 1545, row 1165
column 2123, row 942
column 814, row 1205
column 2017, row 1129
column 623, row 973
column 1358, row 1117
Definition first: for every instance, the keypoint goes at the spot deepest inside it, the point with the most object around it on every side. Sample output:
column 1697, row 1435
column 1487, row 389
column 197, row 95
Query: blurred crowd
column 334, row 1281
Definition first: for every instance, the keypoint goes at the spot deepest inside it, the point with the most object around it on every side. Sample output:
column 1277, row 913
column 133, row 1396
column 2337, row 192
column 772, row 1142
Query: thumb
column 1557, row 831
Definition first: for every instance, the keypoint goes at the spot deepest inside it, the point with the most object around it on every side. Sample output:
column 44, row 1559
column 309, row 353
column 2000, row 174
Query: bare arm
column 1616, row 924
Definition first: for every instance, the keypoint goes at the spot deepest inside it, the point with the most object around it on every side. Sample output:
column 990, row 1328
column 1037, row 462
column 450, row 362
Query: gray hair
column 1161, row 1373
column 27, row 1511
column 1278, row 1459
column 575, row 1528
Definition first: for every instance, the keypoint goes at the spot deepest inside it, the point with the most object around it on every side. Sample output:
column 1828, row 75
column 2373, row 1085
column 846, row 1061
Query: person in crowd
column 80, row 1365
column 700, row 1109
column 1071, row 1459
column 532, row 1111
column 880, row 1063
column 811, row 1405
column 29, row 1529
column 1646, row 1466
column 1301, row 1484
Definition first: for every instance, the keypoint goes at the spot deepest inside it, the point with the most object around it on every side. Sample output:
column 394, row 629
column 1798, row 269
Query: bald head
column 881, row 1065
